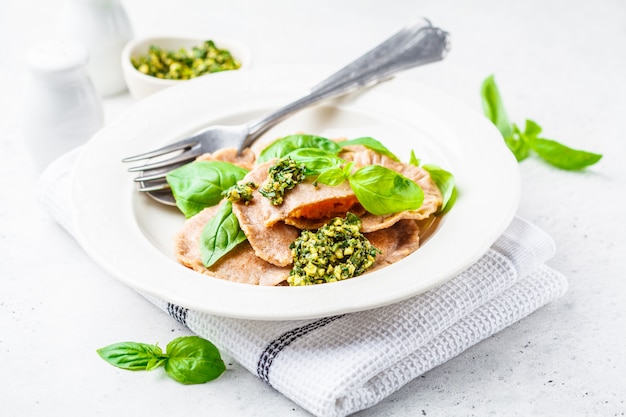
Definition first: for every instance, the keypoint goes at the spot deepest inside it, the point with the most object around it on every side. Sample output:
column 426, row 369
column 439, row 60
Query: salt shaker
column 103, row 27
column 62, row 109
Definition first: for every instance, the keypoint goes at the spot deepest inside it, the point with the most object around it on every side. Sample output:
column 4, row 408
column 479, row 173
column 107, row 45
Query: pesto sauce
column 184, row 64
column 240, row 192
column 283, row 175
column 336, row 251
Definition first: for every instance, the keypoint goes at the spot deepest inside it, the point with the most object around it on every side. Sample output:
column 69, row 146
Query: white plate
column 131, row 236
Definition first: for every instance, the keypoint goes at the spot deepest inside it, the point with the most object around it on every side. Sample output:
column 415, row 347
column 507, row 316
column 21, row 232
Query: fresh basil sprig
column 220, row 235
column 200, row 184
column 521, row 143
column 188, row 359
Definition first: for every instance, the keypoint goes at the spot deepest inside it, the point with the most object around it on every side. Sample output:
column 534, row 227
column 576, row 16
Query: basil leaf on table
column 132, row 356
column 493, row 107
column 287, row 144
column 522, row 142
column 193, row 360
column 382, row 191
column 370, row 143
column 519, row 144
column 531, row 130
column 220, row 235
column 188, row 359
column 562, row 156
column 200, row 184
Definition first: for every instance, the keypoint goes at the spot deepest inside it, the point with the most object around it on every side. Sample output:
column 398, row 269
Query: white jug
column 103, row 27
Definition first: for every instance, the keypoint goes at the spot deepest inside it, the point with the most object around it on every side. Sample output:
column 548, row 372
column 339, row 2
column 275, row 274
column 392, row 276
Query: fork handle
column 376, row 56
column 416, row 44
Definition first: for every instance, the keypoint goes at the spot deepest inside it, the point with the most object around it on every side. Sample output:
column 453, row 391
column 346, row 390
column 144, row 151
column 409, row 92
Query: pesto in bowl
column 151, row 64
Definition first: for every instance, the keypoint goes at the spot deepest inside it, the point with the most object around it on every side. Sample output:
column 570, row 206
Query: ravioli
column 265, row 258
column 241, row 265
column 244, row 266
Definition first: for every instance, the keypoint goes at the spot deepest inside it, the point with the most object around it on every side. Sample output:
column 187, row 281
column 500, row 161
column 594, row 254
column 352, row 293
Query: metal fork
column 416, row 44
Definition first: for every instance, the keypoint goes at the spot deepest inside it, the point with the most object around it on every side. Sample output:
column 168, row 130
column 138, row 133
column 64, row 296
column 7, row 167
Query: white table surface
column 561, row 63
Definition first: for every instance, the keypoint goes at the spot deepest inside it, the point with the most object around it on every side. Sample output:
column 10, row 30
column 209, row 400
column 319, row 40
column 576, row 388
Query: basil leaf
column 315, row 159
column 382, row 191
column 132, row 356
column 518, row 144
column 332, row 176
column 189, row 359
column 193, row 360
column 446, row 184
column 493, row 107
column 370, row 143
column 521, row 143
column 155, row 363
column 220, row 235
column 200, row 184
column 562, row 156
column 287, row 144
column 531, row 130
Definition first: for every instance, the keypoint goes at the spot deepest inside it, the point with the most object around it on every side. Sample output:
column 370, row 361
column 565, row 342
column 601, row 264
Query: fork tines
column 180, row 145
column 152, row 173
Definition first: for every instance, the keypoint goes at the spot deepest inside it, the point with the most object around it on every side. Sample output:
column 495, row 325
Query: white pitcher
column 103, row 27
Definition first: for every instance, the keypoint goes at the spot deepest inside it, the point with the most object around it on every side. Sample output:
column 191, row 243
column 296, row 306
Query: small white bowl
column 141, row 85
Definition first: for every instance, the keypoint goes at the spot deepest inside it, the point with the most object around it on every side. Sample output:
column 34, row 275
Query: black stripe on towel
column 177, row 312
column 277, row 345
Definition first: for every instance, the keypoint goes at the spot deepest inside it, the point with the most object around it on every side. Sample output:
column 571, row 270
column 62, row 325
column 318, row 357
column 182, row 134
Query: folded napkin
column 335, row 366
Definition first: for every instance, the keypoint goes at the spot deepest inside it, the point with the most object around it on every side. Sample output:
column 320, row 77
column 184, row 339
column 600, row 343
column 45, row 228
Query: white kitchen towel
column 335, row 366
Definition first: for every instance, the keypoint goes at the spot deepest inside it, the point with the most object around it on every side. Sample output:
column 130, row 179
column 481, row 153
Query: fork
column 416, row 44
